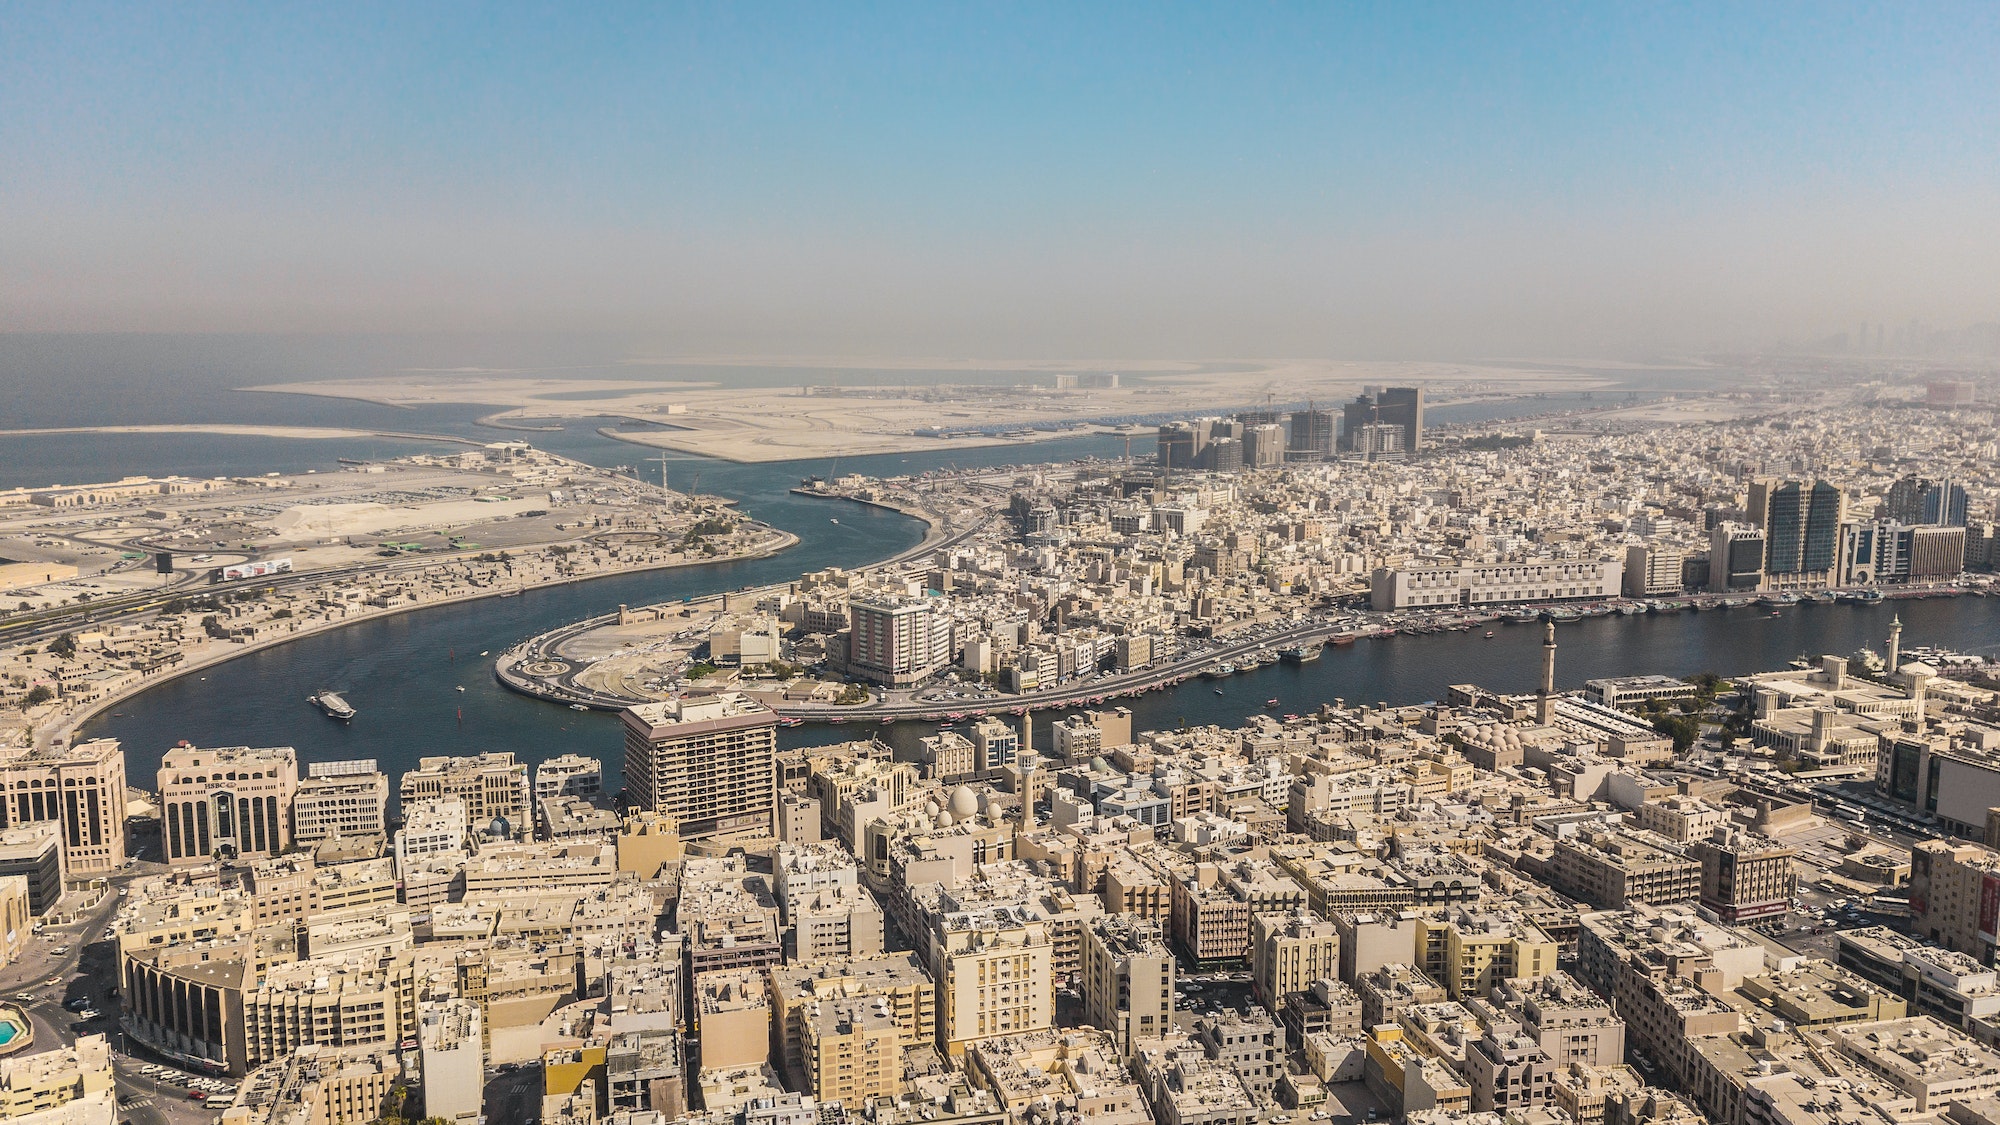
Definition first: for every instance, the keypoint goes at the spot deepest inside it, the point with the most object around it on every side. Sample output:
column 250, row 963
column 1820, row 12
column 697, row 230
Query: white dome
column 964, row 802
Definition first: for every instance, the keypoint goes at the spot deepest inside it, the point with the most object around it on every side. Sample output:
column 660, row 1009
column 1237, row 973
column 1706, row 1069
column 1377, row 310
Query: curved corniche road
column 772, row 541
column 537, row 668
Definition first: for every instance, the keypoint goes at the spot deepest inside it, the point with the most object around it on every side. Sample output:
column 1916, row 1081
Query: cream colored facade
column 17, row 921
column 897, row 980
column 854, row 1051
column 993, row 974
column 489, row 785
column 1480, row 950
column 1128, row 979
column 82, row 788
column 1288, row 952
column 235, row 802
column 46, row 1081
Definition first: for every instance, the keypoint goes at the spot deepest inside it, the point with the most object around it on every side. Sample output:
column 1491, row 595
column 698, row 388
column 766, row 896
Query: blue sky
column 1006, row 180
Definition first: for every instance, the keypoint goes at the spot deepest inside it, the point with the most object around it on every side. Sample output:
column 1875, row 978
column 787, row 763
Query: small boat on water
column 1302, row 653
column 1489, row 634
column 1218, row 691
column 330, row 703
column 1220, row 671
column 791, row 722
column 833, row 521
column 573, row 706
column 1272, row 703
column 510, row 594
column 460, row 687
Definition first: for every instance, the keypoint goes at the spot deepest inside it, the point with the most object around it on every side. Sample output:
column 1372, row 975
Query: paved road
column 85, row 974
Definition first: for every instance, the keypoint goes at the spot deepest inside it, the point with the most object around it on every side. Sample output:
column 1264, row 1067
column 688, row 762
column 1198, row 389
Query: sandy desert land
column 824, row 412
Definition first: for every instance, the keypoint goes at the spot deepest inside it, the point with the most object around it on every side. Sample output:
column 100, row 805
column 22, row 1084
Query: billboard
column 260, row 569
column 1989, row 905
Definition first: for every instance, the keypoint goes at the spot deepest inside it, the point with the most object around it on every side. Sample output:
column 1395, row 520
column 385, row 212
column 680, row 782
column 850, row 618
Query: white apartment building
column 898, row 638
column 710, row 763
column 1444, row 587
column 340, row 799
column 569, row 775
column 430, row 828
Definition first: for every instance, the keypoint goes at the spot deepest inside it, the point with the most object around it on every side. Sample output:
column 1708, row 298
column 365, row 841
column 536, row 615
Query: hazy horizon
column 1423, row 182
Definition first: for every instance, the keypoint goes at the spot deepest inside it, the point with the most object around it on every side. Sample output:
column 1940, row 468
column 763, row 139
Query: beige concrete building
column 454, row 1061
column 318, row 1086
column 647, row 842
column 1922, row 1059
column 1288, row 952
column 897, row 982
column 81, row 788
column 994, row 976
column 233, row 803
column 489, row 786
column 948, row 754
column 1128, row 979
column 733, row 1013
column 17, row 918
column 709, row 763
column 65, row 1076
column 1617, row 870
column 1745, row 876
column 1953, row 897
column 1572, row 1023
column 853, row 1051
column 1469, row 951
column 341, row 799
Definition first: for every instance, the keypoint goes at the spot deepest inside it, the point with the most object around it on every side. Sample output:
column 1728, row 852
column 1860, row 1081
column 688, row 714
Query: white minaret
column 1895, row 643
column 1546, row 702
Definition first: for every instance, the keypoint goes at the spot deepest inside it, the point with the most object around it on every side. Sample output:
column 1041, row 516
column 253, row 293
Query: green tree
column 40, row 694
column 1682, row 729
column 64, row 646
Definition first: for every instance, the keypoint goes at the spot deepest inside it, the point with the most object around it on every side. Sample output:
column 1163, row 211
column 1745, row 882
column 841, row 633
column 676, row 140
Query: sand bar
column 822, row 411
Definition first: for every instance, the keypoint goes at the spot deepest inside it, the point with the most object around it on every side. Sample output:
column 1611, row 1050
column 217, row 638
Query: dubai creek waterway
column 403, row 672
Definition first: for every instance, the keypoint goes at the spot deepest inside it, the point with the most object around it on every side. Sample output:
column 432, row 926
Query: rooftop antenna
column 663, row 472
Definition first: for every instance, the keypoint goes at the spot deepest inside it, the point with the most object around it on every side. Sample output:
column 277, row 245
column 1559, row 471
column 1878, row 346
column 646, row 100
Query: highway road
column 75, row 966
